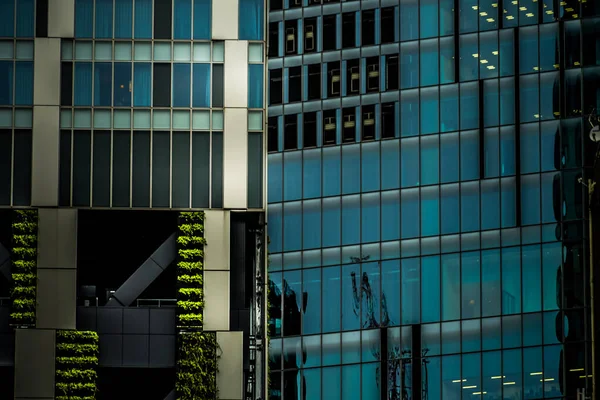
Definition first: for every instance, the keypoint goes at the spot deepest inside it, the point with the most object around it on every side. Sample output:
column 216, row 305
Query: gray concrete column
column 57, row 269
column 34, row 364
column 230, row 378
column 216, row 271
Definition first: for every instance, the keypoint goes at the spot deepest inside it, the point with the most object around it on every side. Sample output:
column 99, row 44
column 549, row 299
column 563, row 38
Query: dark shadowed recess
column 7, row 382
column 113, row 244
column 135, row 383
column 5, row 240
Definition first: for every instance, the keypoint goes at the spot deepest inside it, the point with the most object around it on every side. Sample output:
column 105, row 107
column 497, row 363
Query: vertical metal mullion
column 72, row 139
column 481, row 92
column 171, row 161
column 12, row 174
column 92, row 134
column 131, row 134
column 456, row 42
column 517, row 129
column 111, row 169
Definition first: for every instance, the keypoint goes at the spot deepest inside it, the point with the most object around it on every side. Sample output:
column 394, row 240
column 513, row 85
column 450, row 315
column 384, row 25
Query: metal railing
column 156, row 303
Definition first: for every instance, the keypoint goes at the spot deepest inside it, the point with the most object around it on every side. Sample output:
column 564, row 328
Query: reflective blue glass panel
column 24, row 83
column 142, row 84
column 143, row 19
column 104, row 19
column 102, row 84
column 25, row 18
column 7, row 18
column 122, row 86
column 123, row 19
column 251, row 17
column 202, row 19
column 201, row 85
column 181, row 85
column 255, row 85
column 182, row 19
column 84, row 18
column 82, row 84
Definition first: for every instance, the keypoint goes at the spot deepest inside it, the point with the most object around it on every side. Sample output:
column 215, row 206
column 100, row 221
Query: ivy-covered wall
column 196, row 366
column 190, row 253
column 196, row 350
column 76, row 364
column 24, row 267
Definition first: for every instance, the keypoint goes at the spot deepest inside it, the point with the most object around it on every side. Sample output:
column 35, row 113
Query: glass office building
column 428, row 234
column 110, row 107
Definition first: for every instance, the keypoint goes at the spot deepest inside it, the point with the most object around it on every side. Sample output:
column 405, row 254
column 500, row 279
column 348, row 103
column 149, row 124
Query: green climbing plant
column 24, row 263
column 190, row 254
column 197, row 366
column 76, row 363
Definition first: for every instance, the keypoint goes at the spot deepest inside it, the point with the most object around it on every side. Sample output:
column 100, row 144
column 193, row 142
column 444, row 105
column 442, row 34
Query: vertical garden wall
column 196, row 377
column 24, row 267
column 76, row 365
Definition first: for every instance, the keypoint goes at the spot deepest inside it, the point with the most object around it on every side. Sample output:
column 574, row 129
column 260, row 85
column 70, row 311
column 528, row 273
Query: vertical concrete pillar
column 216, row 271
column 56, row 304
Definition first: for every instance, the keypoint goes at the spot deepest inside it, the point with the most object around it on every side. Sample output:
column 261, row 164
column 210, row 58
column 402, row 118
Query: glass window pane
column 181, row 169
column 255, row 52
column 201, row 85
column 143, row 52
column 84, row 18
column 104, row 19
column 141, row 168
column 25, row 50
column 143, row 19
column 82, row 85
column 121, row 168
column 24, row 83
column 201, row 120
column 122, row 87
column 101, row 169
column 181, row 51
column 217, row 120
column 83, row 50
column 122, row 119
column 255, row 85
column 181, row 85
column 251, row 17
column 102, row 84
column 123, row 19
column 123, row 51
column 141, row 119
column 182, row 19
column 142, row 82
column 202, row 19
column 162, row 51
column 102, row 119
column 181, row 119
column 161, row 151
column 103, row 51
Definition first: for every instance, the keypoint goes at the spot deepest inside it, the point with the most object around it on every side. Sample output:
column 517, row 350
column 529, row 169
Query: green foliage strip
column 197, row 366
column 190, row 252
column 24, row 271
column 76, row 363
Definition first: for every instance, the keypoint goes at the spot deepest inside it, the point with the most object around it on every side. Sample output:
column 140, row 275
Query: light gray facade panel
column 235, row 159
column 56, row 299
column 236, row 74
column 61, row 18
column 45, row 157
column 216, row 300
column 231, row 364
column 57, row 238
column 225, row 19
column 46, row 72
column 217, row 235
column 34, row 363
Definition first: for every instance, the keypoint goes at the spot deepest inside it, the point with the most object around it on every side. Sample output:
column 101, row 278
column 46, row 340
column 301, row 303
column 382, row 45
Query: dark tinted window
column 275, row 87
column 295, row 84
column 162, row 19
column 162, row 85
column 329, row 32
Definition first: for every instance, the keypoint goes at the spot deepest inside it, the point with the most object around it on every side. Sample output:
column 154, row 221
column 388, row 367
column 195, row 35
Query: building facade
column 115, row 116
column 428, row 234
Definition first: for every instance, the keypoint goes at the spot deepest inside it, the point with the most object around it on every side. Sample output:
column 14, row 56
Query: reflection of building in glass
column 424, row 203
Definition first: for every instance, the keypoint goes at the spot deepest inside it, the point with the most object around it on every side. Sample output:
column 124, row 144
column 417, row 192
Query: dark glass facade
column 425, row 218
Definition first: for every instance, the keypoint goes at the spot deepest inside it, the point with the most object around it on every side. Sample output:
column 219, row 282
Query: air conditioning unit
column 372, row 77
column 369, row 120
column 349, row 121
column 330, row 124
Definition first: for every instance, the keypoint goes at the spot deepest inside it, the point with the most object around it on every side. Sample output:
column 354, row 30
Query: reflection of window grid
column 85, row 51
column 213, row 124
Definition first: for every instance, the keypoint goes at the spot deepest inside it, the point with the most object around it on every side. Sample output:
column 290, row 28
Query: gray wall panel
column 231, row 369
column 135, row 350
column 44, row 179
column 235, row 159
column 46, row 72
column 110, row 320
column 57, row 238
column 162, row 321
column 34, row 363
column 216, row 300
column 61, row 18
column 136, row 320
column 236, row 74
column 216, row 232
column 225, row 19
column 111, row 350
column 56, row 299
column 162, row 351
